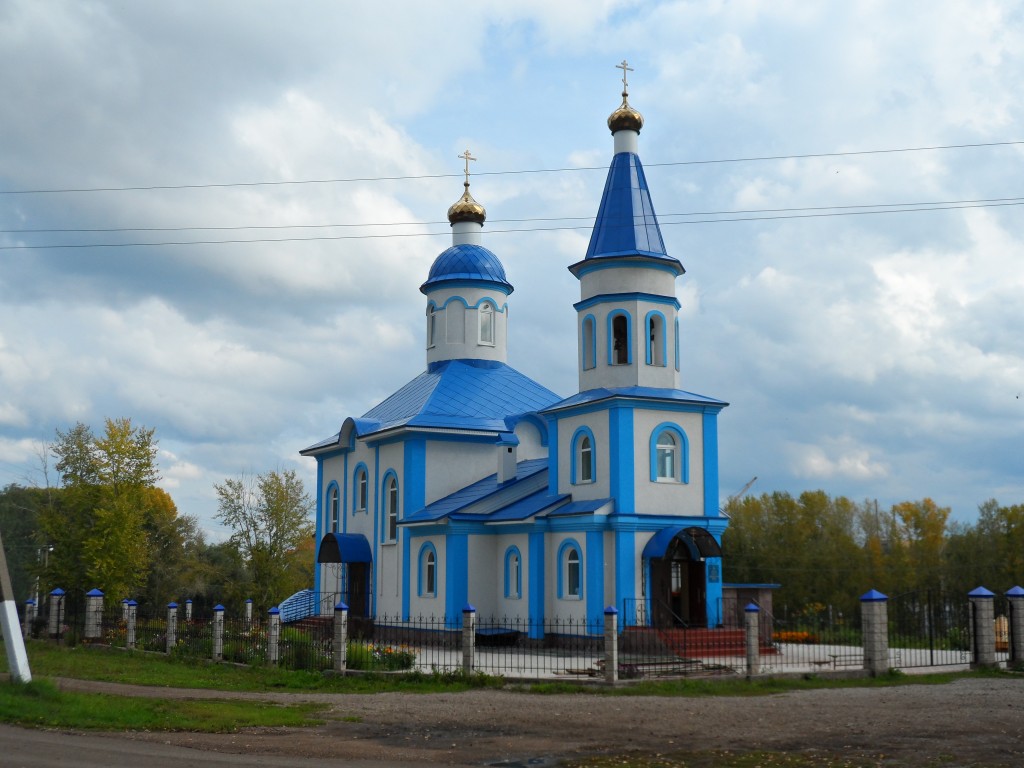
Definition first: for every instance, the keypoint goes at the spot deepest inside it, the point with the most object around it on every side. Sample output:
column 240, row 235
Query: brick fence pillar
column 188, row 610
column 468, row 638
column 132, row 608
column 752, row 625
column 611, row 644
column 172, row 627
column 273, row 635
column 340, row 637
column 55, row 626
column 874, row 617
column 30, row 617
column 93, row 614
column 218, row 632
column 983, row 628
column 1015, row 600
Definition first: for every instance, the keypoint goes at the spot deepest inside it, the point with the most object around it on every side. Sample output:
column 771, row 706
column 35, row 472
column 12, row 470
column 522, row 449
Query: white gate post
column 30, row 617
column 468, row 638
column 752, row 624
column 129, row 632
column 273, row 635
column 611, row 644
column 340, row 637
column 93, row 614
column 218, row 632
column 874, row 612
column 56, row 623
column 1015, row 599
column 983, row 628
column 172, row 626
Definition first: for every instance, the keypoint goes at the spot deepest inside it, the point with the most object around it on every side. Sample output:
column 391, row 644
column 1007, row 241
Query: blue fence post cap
column 611, row 610
column 94, row 593
column 469, row 608
column 981, row 592
column 124, row 601
column 189, row 601
column 752, row 608
column 873, row 596
column 58, row 592
column 131, row 603
column 30, row 601
column 172, row 605
column 275, row 611
column 1017, row 591
column 248, row 599
column 341, row 607
column 218, row 608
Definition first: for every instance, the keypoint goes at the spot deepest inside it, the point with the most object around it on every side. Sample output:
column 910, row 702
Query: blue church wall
column 622, row 475
column 710, row 454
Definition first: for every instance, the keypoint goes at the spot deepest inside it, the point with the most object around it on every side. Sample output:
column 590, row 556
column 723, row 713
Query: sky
column 289, row 167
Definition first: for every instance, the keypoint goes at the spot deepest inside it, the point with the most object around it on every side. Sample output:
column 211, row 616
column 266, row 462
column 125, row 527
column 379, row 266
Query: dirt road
column 978, row 721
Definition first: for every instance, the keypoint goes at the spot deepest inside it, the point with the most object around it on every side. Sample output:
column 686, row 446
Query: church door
column 358, row 589
column 678, row 588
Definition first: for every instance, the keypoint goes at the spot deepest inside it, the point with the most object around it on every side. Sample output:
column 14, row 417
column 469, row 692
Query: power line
column 345, row 180
column 832, row 214
column 909, row 205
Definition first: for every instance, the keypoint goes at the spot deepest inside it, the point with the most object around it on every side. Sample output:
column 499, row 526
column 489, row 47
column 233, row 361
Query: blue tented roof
column 461, row 394
column 626, row 224
column 467, row 262
column 344, row 548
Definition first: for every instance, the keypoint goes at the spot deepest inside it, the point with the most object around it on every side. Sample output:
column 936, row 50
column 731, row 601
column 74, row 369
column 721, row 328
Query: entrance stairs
column 699, row 642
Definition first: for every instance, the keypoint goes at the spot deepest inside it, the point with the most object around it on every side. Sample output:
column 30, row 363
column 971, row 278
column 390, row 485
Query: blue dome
column 466, row 263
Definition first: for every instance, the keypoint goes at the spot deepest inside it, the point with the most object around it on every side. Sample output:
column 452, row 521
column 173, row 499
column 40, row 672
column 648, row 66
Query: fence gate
column 929, row 629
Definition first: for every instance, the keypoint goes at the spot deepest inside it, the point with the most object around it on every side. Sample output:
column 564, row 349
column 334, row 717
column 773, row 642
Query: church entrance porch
column 348, row 573
column 678, row 576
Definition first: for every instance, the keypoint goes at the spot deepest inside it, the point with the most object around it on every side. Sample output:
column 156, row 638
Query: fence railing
column 918, row 630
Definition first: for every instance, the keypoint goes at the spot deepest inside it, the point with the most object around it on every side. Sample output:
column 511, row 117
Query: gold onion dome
column 466, row 209
column 625, row 118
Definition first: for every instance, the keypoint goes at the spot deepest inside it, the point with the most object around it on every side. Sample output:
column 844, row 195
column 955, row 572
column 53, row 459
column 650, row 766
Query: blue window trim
column 389, row 475
column 574, row 456
column 360, row 467
column 421, row 582
column 629, row 336
column 333, row 522
column 677, row 342
column 513, row 591
column 569, row 545
column 589, row 351
column 648, row 321
column 683, row 462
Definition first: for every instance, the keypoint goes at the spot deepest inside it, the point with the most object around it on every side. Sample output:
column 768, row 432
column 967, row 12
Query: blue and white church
column 474, row 484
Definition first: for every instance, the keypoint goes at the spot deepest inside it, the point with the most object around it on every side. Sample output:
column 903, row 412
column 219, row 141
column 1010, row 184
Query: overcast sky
column 875, row 355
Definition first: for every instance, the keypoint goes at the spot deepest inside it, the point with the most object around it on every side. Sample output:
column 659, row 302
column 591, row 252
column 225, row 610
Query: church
column 474, row 484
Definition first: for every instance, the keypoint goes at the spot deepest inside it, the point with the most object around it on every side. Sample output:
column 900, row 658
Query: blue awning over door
column 698, row 542
column 344, row 548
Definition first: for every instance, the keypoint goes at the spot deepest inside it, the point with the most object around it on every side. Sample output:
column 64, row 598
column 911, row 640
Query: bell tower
column 627, row 316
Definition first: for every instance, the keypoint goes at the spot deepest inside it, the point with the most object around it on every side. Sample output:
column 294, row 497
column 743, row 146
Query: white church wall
column 639, row 280
column 456, row 330
column 451, row 465
column 483, row 572
column 597, row 423
column 529, row 442
column 669, row 498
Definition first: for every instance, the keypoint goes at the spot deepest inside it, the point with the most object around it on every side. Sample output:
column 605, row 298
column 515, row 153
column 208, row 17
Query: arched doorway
column 678, row 576
column 349, row 571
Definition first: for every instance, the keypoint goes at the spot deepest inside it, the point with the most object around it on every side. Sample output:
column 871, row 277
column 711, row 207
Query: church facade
column 473, row 484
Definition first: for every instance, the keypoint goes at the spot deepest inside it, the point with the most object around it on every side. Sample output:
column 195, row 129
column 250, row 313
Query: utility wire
column 910, row 206
column 504, row 231
column 152, row 187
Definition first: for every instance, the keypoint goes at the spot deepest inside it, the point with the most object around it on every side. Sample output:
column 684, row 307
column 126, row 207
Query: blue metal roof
column 461, row 394
column 626, row 224
column 586, row 507
column 467, row 263
column 344, row 548
column 653, row 393
column 471, row 494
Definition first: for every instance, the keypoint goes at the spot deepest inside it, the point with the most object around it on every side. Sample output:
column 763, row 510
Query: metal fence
column 924, row 629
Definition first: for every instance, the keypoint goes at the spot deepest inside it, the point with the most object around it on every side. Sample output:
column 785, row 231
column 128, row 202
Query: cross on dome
column 624, row 66
column 467, row 157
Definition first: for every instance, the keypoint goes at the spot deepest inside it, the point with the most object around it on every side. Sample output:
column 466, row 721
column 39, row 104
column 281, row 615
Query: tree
column 269, row 518
column 96, row 525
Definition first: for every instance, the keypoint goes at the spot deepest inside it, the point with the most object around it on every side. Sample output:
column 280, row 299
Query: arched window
column 583, row 464
column 655, row 338
column 486, row 313
column 619, row 352
column 677, row 343
column 588, row 343
column 670, row 454
column 391, row 508
column 428, row 571
column 334, row 508
column 513, row 574
column 431, row 326
column 570, row 574
column 360, row 490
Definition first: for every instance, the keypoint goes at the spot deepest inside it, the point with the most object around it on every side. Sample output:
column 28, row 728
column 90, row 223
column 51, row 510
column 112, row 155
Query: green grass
column 39, row 704
column 47, row 659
